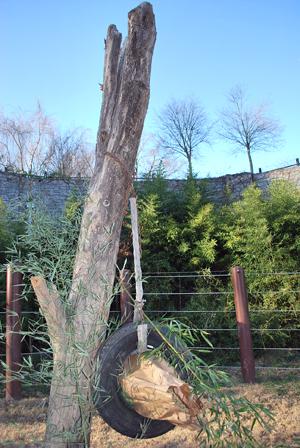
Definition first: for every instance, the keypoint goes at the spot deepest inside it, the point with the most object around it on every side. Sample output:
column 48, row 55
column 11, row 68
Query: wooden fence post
column 126, row 302
column 138, row 303
column 13, row 336
column 243, row 324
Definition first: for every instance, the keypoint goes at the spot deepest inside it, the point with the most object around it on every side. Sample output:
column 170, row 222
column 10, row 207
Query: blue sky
column 52, row 51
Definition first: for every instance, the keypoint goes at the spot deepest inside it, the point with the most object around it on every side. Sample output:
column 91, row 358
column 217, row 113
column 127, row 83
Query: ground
column 22, row 424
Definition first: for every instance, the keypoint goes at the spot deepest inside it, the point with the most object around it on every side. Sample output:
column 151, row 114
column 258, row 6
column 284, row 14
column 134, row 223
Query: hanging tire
column 108, row 398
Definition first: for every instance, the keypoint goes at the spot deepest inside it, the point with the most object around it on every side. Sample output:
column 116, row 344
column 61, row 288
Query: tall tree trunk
column 250, row 163
column 190, row 167
column 78, row 327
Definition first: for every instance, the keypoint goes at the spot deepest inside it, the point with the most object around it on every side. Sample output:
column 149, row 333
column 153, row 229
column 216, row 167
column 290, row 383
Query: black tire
column 109, row 400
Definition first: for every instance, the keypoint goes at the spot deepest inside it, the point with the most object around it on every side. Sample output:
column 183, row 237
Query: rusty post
column 243, row 324
column 126, row 302
column 13, row 336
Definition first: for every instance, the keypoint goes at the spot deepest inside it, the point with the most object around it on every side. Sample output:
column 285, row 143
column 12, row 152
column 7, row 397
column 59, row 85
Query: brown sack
column 156, row 392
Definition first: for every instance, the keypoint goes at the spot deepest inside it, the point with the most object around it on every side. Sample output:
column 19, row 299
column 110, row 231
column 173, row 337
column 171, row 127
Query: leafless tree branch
column 183, row 128
column 32, row 144
column 249, row 129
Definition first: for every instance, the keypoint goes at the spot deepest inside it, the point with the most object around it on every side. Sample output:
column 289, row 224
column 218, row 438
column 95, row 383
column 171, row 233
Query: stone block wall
column 53, row 192
column 229, row 188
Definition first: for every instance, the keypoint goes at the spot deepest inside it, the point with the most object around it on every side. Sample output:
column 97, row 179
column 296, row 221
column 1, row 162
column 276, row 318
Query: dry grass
column 22, row 424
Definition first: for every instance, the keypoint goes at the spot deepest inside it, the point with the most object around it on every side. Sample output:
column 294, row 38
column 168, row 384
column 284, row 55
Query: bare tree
column 70, row 154
column 24, row 141
column 78, row 327
column 31, row 144
column 249, row 129
column 183, row 128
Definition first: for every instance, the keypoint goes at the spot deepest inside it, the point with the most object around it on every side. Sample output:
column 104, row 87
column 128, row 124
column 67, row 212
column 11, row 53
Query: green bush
column 255, row 234
column 180, row 231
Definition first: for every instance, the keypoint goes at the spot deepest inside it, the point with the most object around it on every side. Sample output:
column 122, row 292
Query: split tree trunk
column 78, row 327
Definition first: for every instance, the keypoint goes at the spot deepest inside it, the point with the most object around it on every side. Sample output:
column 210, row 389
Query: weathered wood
column 53, row 311
column 138, row 304
column 142, row 333
column 126, row 301
column 13, row 336
column 125, row 100
column 243, row 324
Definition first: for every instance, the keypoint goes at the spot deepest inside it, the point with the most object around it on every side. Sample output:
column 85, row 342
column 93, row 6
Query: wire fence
column 191, row 297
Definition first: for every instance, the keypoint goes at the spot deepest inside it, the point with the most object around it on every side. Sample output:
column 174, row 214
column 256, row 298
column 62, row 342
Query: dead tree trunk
column 77, row 327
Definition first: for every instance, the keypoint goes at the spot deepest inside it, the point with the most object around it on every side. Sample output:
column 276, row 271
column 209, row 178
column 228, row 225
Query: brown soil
column 22, row 424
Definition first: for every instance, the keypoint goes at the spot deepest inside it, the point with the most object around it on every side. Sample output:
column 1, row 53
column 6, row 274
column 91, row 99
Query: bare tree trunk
column 250, row 163
column 190, row 167
column 78, row 327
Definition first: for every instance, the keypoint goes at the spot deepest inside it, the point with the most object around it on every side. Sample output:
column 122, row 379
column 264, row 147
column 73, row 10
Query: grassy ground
column 22, row 424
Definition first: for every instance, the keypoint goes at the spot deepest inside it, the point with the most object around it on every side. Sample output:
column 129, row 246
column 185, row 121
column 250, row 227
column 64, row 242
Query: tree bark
column 251, row 164
column 190, row 167
column 79, row 325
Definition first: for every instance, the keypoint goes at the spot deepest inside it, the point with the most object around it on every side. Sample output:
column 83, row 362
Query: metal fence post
column 126, row 302
column 243, row 324
column 13, row 336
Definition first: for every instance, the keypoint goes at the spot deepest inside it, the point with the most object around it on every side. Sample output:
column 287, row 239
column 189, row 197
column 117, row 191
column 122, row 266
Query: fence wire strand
column 182, row 278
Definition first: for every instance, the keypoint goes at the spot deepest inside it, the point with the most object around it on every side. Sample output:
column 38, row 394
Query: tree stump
column 78, row 327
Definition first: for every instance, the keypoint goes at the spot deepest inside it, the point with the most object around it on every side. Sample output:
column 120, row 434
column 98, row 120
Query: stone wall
column 53, row 192
column 230, row 187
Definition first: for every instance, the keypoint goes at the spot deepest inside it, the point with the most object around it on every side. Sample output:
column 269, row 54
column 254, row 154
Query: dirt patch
column 22, row 424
